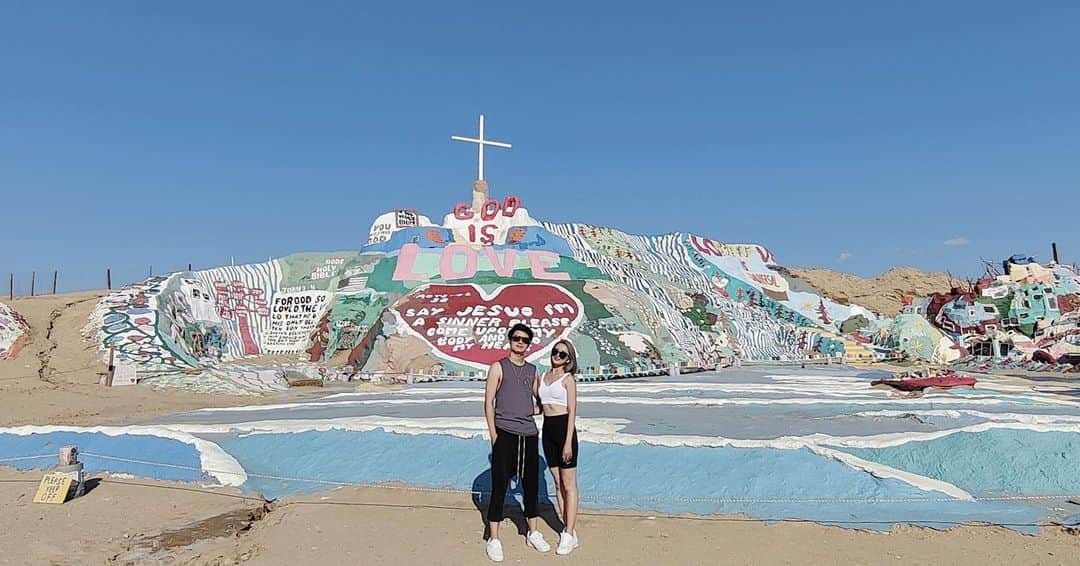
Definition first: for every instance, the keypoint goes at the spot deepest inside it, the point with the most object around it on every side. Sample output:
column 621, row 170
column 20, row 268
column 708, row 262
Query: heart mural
column 465, row 325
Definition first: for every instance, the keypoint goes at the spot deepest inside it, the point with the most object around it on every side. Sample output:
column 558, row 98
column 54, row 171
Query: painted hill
column 13, row 332
column 433, row 297
column 427, row 298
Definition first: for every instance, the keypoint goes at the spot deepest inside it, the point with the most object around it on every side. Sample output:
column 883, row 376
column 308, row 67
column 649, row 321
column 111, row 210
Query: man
column 509, row 405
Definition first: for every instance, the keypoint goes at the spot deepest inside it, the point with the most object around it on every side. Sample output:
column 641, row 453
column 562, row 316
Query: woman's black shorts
column 554, row 438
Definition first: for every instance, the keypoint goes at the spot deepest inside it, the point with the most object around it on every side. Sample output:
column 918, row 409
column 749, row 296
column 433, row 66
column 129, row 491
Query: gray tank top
column 514, row 403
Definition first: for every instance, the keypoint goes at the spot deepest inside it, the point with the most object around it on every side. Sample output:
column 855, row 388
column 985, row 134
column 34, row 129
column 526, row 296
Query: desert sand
column 139, row 521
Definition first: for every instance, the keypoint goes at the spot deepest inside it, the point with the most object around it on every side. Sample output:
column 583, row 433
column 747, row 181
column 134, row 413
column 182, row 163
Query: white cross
column 480, row 143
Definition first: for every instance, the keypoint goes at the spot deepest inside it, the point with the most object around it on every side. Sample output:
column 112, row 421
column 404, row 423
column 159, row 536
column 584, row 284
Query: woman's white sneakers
column 536, row 540
column 567, row 543
column 494, row 550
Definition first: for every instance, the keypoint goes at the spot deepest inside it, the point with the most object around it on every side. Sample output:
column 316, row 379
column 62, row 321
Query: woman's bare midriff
column 555, row 410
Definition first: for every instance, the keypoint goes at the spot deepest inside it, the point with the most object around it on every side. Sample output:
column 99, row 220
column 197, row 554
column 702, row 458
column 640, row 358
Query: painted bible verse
column 463, row 324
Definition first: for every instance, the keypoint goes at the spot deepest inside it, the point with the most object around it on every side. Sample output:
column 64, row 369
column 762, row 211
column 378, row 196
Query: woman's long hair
column 571, row 364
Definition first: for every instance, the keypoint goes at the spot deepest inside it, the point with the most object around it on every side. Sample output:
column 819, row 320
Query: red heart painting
column 464, row 325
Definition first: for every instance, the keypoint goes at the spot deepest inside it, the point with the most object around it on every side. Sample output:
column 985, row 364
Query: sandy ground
column 119, row 520
column 136, row 521
column 54, row 380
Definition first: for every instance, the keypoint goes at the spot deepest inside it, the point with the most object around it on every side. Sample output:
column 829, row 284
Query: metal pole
column 55, row 273
column 108, row 278
column 11, row 286
column 1053, row 247
column 33, row 277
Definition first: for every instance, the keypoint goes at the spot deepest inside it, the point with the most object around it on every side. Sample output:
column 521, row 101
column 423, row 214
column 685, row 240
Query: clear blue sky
column 851, row 135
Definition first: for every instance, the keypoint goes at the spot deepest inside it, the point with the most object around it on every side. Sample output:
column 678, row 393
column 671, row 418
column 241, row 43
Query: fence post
column 112, row 367
column 55, row 274
column 108, row 279
column 33, row 277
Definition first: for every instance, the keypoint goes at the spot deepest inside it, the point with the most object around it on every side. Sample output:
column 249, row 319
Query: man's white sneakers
column 536, row 540
column 567, row 543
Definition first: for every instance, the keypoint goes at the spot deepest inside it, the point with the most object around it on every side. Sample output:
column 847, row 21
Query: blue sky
column 840, row 134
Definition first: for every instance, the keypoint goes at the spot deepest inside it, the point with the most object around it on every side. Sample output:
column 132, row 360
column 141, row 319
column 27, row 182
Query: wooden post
column 11, row 286
column 33, row 276
column 108, row 278
column 1053, row 249
column 112, row 356
column 55, row 275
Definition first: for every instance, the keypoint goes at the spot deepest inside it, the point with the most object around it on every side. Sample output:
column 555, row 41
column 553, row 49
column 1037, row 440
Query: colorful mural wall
column 1028, row 317
column 1028, row 314
column 14, row 332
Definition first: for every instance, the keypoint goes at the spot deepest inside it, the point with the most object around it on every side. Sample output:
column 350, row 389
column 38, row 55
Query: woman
column 558, row 397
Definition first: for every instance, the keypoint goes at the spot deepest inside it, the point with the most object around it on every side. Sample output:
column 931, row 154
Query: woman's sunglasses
column 519, row 338
column 559, row 354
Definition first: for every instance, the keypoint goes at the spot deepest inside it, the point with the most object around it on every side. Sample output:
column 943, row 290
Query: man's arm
column 494, row 377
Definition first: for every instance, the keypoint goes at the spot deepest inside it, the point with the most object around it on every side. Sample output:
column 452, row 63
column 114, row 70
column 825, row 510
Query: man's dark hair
column 519, row 327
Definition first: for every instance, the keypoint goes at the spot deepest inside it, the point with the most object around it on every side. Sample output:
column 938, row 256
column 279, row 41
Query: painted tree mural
column 238, row 302
column 823, row 314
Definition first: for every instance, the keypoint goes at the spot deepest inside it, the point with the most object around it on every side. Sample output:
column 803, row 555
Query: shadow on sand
column 514, row 511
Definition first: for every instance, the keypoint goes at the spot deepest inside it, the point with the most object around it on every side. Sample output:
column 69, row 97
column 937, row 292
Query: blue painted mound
column 132, row 446
column 643, row 477
column 994, row 462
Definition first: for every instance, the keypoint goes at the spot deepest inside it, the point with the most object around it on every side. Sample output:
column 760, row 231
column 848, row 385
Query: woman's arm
column 537, row 408
column 571, row 411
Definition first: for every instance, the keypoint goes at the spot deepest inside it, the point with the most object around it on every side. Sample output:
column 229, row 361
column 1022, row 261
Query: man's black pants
column 514, row 455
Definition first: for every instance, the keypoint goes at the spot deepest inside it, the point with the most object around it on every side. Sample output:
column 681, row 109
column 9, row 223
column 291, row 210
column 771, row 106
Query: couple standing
column 510, row 401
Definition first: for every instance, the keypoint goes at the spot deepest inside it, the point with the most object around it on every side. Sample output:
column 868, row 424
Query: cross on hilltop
column 480, row 143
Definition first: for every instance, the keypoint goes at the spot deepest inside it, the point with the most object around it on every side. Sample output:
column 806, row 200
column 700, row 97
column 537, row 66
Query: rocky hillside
column 881, row 294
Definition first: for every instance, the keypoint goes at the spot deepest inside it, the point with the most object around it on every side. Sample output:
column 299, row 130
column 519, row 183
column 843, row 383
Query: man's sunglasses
column 559, row 354
column 520, row 338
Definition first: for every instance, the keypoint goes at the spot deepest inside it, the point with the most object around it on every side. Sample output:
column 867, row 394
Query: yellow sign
column 53, row 489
